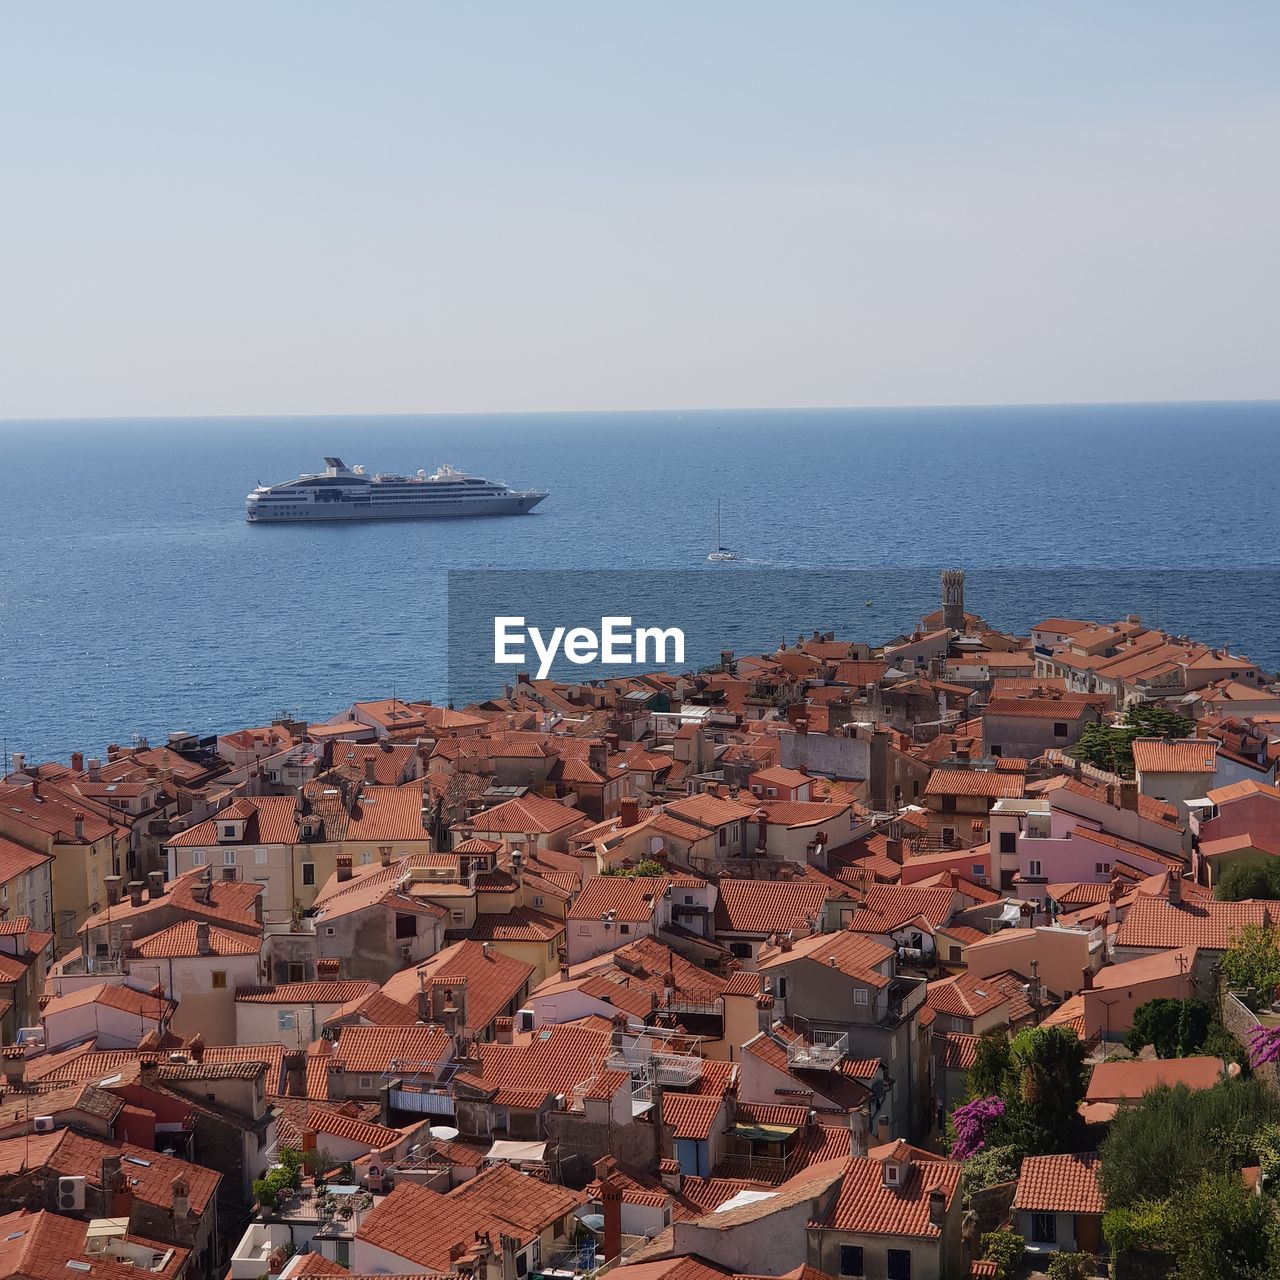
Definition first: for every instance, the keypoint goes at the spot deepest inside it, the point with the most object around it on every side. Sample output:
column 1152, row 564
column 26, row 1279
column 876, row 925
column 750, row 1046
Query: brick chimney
column 343, row 864
column 77, row 762
column 370, row 771
column 113, row 884
column 203, row 946
column 1129, row 795
column 611, row 1202
column 1086, row 979
column 629, row 814
column 1175, row 886
column 135, row 892
column 155, row 885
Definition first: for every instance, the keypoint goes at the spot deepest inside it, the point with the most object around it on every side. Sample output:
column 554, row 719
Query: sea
column 135, row 600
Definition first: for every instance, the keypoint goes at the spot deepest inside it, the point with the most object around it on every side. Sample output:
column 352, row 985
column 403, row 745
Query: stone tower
column 953, row 599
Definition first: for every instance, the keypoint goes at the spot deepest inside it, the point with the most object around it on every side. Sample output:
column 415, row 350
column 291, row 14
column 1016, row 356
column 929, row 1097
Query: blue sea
column 135, row 599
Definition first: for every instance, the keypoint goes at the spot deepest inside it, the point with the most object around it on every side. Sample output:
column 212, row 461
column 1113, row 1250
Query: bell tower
column 953, row 599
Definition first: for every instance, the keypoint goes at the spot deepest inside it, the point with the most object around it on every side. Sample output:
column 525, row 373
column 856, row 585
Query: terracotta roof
column 529, row 814
column 768, row 906
column 853, row 954
column 966, row 996
column 956, row 1050
column 53, row 817
column 1067, row 707
column 232, row 903
column 373, row 1050
column 179, row 941
column 890, row 906
column 708, row 811
column 48, row 1246
column 149, row 1174
column 691, row 1115
column 866, row 1206
column 1059, row 1184
column 422, row 1226
column 141, row 1004
column 493, row 978
column 1155, row 922
column 1175, row 755
column 993, row 784
column 631, row 898
column 555, row 1060
column 1113, row 1081
column 335, row 992
column 522, row 924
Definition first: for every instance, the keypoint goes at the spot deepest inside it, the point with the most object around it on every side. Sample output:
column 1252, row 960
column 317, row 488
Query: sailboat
column 721, row 552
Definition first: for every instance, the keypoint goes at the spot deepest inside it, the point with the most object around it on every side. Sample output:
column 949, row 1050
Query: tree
column 971, row 1122
column 1177, row 1028
column 1176, row 1137
column 1251, row 965
column 1048, row 1064
column 989, row 1167
column 1072, row 1266
column 1249, row 878
column 1220, row 1230
column 1110, row 747
column 1005, row 1249
column 990, row 1064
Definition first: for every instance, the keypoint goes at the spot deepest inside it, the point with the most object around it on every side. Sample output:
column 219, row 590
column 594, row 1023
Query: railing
column 677, row 1069
column 431, row 1102
column 760, row 1168
column 821, row 1052
column 904, row 999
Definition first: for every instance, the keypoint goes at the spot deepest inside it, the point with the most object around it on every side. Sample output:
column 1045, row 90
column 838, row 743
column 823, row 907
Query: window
column 723, row 838
column 537, row 902
column 1033, row 867
column 219, row 979
column 199, row 858
column 996, row 751
column 1044, row 1228
column 228, row 831
column 977, row 869
column 297, row 972
column 953, row 954
column 898, row 1264
column 948, row 804
column 782, row 988
column 1008, row 842
column 287, row 1020
column 740, row 949
column 406, row 925
column 584, row 931
column 229, row 857
column 308, row 873
column 859, row 995
column 366, row 858
column 260, row 857
column 1101, row 868
column 626, row 928
column 1059, row 729
column 366, row 1082
column 851, row 1260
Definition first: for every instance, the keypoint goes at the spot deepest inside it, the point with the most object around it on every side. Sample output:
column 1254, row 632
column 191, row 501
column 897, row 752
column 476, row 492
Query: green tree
column 990, row 1065
column 1249, row 878
column 1004, row 1248
column 991, row 1165
column 1177, row 1028
column 1110, row 747
column 1071, row 1266
column 1175, row 1137
column 1219, row 1230
column 1251, row 965
column 1047, row 1080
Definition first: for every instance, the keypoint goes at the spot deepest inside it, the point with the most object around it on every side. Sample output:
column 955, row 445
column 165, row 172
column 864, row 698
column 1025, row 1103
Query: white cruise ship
column 340, row 492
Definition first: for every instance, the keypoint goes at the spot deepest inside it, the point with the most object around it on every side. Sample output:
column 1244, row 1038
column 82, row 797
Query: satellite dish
column 445, row 1132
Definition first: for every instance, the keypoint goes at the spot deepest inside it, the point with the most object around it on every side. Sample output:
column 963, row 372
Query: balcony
column 420, row 1101
column 822, row 1052
column 906, row 995
column 672, row 1070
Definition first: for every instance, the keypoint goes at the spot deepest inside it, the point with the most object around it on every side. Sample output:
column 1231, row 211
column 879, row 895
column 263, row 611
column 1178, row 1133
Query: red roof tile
column 1059, row 1184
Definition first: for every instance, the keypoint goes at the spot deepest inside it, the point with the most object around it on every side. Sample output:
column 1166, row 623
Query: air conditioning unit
column 524, row 1019
column 44, row 1124
column 71, row 1194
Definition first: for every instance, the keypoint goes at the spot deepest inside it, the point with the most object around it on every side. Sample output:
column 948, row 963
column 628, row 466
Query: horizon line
column 275, row 415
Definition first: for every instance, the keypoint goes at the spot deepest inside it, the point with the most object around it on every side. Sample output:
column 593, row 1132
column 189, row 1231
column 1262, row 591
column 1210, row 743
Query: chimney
column 181, row 1193
column 35, row 788
column 203, row 946
column 195, row 1049
column 384, row 855
column 155, row 885
column 597, row 757
column 1129, row 795
column 95, row 770
column 328, row 968
column 113, row 884
column 669, row 1172
column 502, row 1029
column 370, row 770
column 77, row 761
column 343, row 863
column 337, row 1082
column 1175, row 886
column 629, row 814
column 79, row 825
column 135, row 892
column 1086, row 979
column 937, row 1209
column 764, row 1012
column 611, row 1202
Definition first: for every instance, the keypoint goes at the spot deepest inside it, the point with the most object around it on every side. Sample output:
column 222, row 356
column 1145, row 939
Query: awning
column 504, row 1150
column 764, row 1132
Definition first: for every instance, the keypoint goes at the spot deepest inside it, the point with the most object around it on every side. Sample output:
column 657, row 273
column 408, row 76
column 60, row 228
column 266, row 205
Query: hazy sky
column 279, row 206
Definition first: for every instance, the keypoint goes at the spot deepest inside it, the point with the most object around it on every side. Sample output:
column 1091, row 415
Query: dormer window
column 232, row 829
column 892, row 1173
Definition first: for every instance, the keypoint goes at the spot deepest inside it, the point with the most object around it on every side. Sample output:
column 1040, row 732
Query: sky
column 411, row 206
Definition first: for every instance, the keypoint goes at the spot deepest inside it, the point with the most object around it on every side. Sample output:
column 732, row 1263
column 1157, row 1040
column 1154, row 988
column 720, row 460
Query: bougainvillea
column 1264, row 1045
column 972, row 1121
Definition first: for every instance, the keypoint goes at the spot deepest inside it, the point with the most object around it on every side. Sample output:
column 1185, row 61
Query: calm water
column 134, row 598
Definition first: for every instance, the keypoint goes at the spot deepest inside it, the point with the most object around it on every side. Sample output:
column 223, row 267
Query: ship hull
column 371, row 509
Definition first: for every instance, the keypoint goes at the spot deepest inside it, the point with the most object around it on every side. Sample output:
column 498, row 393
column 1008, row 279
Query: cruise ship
column 340, row 492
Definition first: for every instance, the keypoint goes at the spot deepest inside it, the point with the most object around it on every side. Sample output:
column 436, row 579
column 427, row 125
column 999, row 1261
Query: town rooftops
column 186, row 939
column 630, row 899
column 372, row 1050
column 50, row 1246
column 868, row 1205
column 554, row 1060
column 493, row 979
column 1156, row 923
column 988, row 783
column 333, row 992
column 1175, row 755
column 1118, row 1081
column 426, row 1228
column 139, row 1004
column 763, row 907
column 1059, row 1184
column 853, row 954
column 524, row 815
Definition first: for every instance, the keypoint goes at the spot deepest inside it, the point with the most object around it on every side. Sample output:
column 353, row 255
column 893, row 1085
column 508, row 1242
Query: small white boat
column 721, row 552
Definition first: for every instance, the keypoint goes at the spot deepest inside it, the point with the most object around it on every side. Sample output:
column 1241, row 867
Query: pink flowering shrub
column 972, row 1121
column 1264, row 1045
